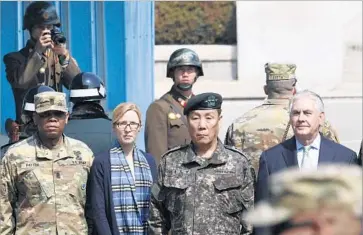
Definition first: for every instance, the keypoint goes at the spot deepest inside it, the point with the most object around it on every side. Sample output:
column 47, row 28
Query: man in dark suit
column 306, row 149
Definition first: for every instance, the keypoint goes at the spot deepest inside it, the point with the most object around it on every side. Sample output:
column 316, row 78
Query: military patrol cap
column 294, row 190
column 276, row 72
column 203, row 101
column 49, row 101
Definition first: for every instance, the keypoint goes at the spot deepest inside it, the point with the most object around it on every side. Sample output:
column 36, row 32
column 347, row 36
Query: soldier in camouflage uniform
column 323, row 202
column 268, row 124
column 43, row 178
column 203, row 187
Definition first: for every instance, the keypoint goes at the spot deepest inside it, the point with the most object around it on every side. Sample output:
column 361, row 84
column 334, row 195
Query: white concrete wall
column 323, row 38
column 219, row 61
column 312, row 34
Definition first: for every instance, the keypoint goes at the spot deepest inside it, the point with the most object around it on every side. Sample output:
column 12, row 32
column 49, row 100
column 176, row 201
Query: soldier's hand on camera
column 44, row 42
column 60, row 49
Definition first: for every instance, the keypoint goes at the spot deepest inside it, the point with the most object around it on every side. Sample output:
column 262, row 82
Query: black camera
column 57, row 36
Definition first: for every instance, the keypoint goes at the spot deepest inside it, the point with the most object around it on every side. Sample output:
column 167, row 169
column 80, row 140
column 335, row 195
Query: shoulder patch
column 175, row 149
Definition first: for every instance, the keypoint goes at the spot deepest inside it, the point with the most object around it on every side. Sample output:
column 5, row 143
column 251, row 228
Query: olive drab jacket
column 166, row 125
column 23, row 72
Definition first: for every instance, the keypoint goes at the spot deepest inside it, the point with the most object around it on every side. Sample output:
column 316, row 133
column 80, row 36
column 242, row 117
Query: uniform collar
column 182, row 100
column 219, row 156
column 64, row 151
column 30, row 44
column 276, row 101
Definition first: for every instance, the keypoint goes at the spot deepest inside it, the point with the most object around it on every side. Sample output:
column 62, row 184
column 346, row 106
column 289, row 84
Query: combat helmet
column 181, row 57
column 87, row 86
column 38, row 13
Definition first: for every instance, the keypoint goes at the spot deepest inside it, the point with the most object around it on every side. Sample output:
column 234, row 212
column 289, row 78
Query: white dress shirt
column 311, row 161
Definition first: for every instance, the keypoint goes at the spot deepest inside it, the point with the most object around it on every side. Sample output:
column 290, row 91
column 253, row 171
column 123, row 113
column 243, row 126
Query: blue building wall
column 112, row 39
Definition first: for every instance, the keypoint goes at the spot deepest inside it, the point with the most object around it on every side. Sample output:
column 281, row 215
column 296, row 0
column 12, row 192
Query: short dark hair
column 280, row 87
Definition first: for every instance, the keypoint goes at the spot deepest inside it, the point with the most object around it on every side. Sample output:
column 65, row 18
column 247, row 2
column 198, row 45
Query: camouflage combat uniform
column 267, row 125
column 264, row 127
column 43, row 191
column 196, row 196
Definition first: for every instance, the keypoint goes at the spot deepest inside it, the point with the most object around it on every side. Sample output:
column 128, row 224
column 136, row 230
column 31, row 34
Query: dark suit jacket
column 284, row 155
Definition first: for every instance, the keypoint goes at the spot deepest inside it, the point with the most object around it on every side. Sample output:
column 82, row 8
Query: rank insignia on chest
column 78, row 155
column 172, row 116
column 182, row 102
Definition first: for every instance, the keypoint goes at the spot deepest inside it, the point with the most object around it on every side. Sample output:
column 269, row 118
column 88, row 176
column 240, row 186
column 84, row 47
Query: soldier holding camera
column 44, row 60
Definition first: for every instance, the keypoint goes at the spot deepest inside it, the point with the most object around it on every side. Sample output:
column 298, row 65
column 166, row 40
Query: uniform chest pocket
column 229, row 196
column 176, row 123
column 35, row 186
column 74, row 179
column 175, row 193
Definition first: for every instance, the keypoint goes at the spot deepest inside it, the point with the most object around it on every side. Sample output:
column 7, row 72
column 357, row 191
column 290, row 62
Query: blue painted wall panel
column 80, row 33
column 115, row 54
column 9, row 42
column 139, row 50
column 113, row 39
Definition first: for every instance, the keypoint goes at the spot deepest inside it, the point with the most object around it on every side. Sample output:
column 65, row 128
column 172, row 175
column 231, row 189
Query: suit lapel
column 289, row 152
column 326, row 152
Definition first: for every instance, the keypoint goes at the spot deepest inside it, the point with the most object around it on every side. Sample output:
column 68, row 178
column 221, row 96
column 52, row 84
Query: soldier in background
column 27, row 111
column 45, row 58
column 310, row 202
column 268, row 124
column 203, row 187
column 88, row 121
column 12, row 130
column 43, row 178
column 166, row 125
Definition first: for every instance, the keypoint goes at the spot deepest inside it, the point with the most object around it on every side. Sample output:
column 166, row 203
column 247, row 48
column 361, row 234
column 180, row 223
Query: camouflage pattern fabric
column 275, row 72
column 199, row 196
column 43, row 191
column 50, row 100
column 293, row 191
column 264, row 127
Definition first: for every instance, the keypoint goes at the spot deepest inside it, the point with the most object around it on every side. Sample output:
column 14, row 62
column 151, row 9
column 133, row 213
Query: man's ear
column 322, row 118
column 67, row 117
